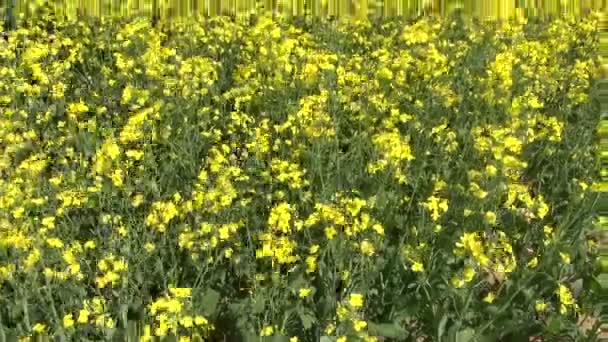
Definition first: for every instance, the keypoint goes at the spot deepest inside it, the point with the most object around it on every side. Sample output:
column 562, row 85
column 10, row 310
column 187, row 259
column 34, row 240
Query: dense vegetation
column 298, row 179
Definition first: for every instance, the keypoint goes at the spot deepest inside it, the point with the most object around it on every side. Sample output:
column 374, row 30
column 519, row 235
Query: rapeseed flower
column 356, row 300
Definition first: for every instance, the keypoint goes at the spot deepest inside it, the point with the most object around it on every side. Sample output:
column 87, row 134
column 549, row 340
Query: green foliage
column 272, row 180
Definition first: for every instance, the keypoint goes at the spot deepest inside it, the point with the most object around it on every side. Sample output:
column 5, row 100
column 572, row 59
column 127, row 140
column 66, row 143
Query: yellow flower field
column 298, row 180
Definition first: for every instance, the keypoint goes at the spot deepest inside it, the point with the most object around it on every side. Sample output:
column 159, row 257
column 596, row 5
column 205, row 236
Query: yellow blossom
column 417, row 267
column 200, row 320
column 39, row 327
column 68, row 321
column 490, row 217
column 359, row 325
column 367, row 248
column 565, row 257
column 330, row 232
column 83, row 316
column 267, row 331
column 489, row 298
column 304, row 292
column 149, row 247
column 540, row 306
column 356, row 300
column 90, row 244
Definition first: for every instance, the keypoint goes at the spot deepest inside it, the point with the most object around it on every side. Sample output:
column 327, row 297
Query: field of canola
column 298, row 180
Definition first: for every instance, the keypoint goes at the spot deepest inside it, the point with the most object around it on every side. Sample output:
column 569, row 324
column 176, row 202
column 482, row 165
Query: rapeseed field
column 424, row 179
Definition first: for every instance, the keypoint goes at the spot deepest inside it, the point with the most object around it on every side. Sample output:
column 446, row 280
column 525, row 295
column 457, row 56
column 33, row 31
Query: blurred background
column 168, row 9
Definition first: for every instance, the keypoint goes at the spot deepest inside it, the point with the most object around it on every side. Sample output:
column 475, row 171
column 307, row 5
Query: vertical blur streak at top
column 351, row 9
column 602, row 186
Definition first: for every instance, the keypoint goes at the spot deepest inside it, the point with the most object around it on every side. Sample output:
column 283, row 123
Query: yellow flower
column 534, row 103
column 341, row 339
column 417, row 267
column 49, row 222
column 490, row 218
column 457, row 282
column 304, row 292
column 354, row 206
column 137, row 200
column 68, row 321
column 533, row 262
column 293, row 339
column 489, row 298
column 112, row 150
column 228, row 252
column 367, row 248
column 181, row 292
column 117, row 178
column 359, row 325
column 149, row 247
column 174, row 306
column 341, row 312
column 79, row 107
column 39, row 327
column 267, row 331
column 356, row 300
column 565, row 258
column 200, row 320
column 469, row 273
column 54, row 242
column 378, row 228
column 540, row 306
column 330, row 232
column 110, row 323
column 543, row 209
column 83, row 316
column 565, row 298
column 186, row 322
column 280, row 217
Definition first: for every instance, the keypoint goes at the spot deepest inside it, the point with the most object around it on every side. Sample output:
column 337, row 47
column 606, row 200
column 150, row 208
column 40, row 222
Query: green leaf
column 258, row 304
column 492, row 309
column 210, row 301
column 251, row 337
column 602, row 279
column 465, row 335
column 169, row 338
column 554, row 324
column 441, row 327
column 297, row 283
column 124, row 308
column 307, row 319
column 390, row 330
column 109, row 332
column 327, row 339
column 132, row 333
